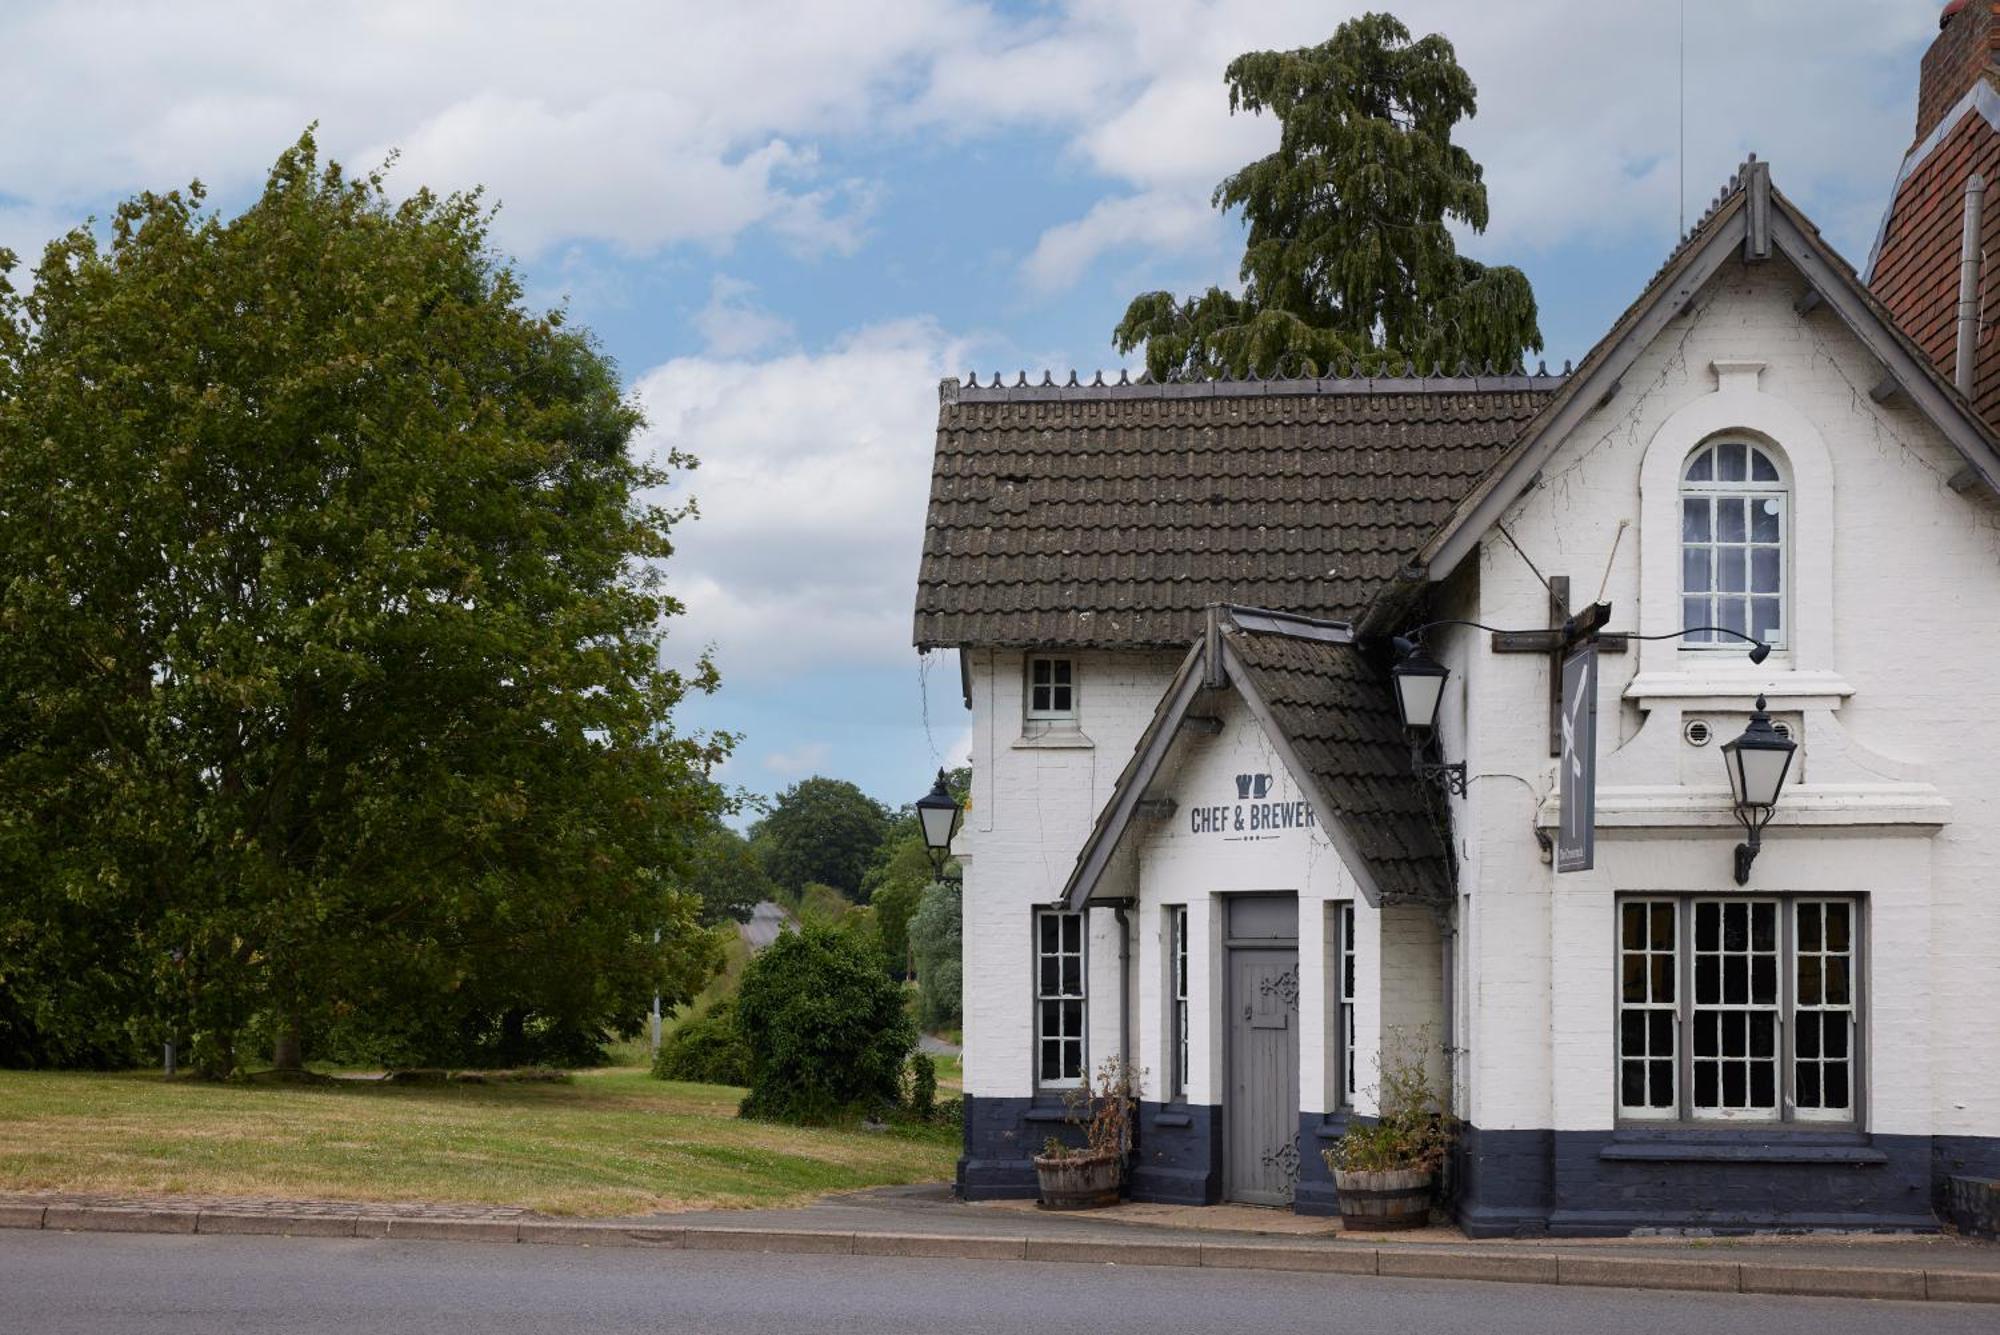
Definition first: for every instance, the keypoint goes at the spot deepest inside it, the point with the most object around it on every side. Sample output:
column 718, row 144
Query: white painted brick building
column 1162, row 775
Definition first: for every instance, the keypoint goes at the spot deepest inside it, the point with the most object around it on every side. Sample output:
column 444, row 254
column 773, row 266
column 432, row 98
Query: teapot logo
column 1252, row 786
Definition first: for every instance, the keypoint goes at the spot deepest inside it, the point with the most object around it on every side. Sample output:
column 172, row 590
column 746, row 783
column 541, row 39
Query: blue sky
column 787, row 221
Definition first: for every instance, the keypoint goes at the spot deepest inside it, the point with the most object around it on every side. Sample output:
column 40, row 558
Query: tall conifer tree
column 1349, row 254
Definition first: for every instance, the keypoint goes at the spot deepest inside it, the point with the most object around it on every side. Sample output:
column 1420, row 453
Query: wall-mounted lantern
column 939, row 813
column 1419, row 680
column 1758, row 762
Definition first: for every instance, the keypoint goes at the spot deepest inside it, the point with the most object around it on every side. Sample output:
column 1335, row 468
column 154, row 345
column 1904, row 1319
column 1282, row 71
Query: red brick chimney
column 1944, row 293
column 1967, row 46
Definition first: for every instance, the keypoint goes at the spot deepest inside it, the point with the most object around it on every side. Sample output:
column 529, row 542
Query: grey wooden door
column 1261, row 1117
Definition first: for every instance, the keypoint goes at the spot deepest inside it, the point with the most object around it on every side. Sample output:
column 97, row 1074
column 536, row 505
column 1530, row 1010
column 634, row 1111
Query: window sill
column 1785, row 1144
column 1705, row 679
column 1059, row 739
column 1173, row 1119
column 1046, row 1113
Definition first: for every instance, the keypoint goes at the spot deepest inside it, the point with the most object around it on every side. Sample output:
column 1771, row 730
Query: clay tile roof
column 1337, row 712
column 1327, row 706
column 1110, row 516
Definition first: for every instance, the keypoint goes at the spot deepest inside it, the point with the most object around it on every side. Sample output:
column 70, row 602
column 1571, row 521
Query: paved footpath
column 925, row 1222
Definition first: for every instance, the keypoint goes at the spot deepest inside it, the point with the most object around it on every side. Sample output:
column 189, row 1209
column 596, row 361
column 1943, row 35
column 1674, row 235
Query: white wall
column 1033, row 802
column 1178, row 865
column 1033, row 805
column 1899, row 771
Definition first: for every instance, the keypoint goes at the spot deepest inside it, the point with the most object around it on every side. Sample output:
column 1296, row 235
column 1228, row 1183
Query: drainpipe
column 1124, row 983
column 1968, row 283
column 1125, row 1019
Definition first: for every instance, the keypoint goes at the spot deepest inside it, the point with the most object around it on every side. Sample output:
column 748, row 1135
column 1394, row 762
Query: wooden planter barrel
column 1077, row 1182
column 1383, row 1202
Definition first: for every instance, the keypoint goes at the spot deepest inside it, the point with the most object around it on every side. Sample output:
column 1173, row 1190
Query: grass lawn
column 612, row 1142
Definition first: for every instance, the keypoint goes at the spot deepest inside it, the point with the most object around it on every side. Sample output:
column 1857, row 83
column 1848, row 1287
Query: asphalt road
column 104, row 1284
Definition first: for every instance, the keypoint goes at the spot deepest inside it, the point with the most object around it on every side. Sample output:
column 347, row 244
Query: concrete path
column 936, row 1046
column 58, row 1284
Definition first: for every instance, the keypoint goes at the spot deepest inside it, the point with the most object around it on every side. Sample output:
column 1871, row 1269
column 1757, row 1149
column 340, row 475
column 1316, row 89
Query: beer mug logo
column 1252, row 786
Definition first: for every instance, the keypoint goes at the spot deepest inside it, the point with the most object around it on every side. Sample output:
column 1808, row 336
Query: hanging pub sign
column 1576, row 840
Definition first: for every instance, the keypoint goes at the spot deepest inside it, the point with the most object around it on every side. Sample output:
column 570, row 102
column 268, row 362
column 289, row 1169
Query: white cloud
column 805, row 758
column 732, row 325
column 959, row 753
column 641, row 125
column 1150, row 224
column 1577, row 128
column 813, row 472
column 647, row 125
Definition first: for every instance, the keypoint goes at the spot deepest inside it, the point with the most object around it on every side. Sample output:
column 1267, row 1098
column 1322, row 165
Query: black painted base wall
column 1612, row 1183
column 1001, row 1141
column 1315, row 1194
column 1177, row 1154
column 1540, row 1183
column 1177, row 1150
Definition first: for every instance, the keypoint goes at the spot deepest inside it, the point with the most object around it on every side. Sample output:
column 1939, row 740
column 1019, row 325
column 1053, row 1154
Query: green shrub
column 706, row 1049
column 935, row 932
column 923, row 1085
column 824, row 1027
column 1413, row 1127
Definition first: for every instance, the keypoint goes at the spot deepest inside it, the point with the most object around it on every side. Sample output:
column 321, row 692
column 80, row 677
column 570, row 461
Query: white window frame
column 1697, row 985
column 1065, row 1003
column 1177, row 986
column 1343, row 1006
column 1737, row 410
column 1061, row 678
column 1756, row 495
column 1847, row 1011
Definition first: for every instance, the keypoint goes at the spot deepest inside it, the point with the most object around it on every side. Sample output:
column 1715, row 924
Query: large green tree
column 823, row 831
column 1350, row 254
column 728, row 875
column 331, row 691
column 902, row 871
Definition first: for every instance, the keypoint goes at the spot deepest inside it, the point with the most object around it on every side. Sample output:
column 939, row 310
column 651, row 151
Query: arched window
column 1733, row 543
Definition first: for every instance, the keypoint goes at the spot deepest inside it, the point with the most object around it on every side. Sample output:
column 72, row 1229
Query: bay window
column 1737, row 1009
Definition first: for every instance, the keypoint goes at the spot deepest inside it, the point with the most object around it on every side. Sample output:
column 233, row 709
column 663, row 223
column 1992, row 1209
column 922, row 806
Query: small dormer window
column 1733, row 536
column 1051, row 689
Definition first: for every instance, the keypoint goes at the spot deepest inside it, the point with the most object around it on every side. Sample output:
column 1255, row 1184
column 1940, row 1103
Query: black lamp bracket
column 1449, row 777
column 1753, row 843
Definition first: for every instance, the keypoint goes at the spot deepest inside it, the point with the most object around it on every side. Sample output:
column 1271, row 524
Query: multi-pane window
column 1177, row 918
column 1059, row 999
column 1823, row 1057
column 1649, row 1001
column 1733, row 544
column 1051, row 689
column 1737, row 1008
column 1345, row 994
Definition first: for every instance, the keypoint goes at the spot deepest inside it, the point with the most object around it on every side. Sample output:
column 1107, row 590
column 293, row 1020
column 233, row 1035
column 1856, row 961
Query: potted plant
column 1385, row 1170
column 1086, row 1177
